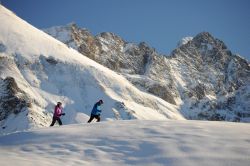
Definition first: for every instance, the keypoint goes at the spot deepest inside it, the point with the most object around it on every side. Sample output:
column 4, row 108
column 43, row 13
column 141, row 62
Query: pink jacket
column 57, row 111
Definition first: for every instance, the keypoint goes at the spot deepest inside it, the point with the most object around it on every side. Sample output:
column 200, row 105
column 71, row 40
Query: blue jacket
column 96, row 109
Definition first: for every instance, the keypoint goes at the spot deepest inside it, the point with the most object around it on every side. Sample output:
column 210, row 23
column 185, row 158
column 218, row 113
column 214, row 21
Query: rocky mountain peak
column 146, row 49
column 204, row 37
column 204, row 48
column 207, row 40
column 110, row 37
column 143, row 45
column 83, row 31
column 184, row 41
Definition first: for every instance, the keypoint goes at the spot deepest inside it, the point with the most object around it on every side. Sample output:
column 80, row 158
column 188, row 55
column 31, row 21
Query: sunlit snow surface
column 145, row 143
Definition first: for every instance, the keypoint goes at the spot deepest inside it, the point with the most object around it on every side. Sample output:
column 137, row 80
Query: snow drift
column 144, row 143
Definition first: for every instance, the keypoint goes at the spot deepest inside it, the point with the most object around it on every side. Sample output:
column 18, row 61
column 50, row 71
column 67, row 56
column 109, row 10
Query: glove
column 63, row 114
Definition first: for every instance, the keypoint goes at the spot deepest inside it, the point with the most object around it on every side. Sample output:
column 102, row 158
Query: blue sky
column 160, row 23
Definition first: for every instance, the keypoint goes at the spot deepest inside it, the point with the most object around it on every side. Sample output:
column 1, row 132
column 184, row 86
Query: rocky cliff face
column 12, row 98
column 132, row 60
column 201, row 76
column 216, row 81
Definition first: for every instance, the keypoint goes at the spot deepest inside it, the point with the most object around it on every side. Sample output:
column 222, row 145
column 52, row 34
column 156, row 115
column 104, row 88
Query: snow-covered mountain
column 201, row 79
column 37, row 70
column 201, row 76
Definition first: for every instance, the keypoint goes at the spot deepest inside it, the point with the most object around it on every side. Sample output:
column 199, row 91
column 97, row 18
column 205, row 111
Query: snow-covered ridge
column 184, row 40
column 147, row 143
column 63, row 34
column 47, row 71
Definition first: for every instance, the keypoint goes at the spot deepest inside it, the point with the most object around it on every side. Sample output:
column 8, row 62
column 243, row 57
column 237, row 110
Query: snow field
column 134, row 142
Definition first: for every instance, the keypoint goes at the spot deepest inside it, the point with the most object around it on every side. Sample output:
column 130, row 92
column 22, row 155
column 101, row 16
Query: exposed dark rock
column 210, row 116
column 2, row 47
column 51, row 60
column 199, row 91
column 13, row 99
column 163, row 92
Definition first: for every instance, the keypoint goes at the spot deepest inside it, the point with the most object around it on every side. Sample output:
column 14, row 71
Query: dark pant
column 94, row 116
column 56, row 119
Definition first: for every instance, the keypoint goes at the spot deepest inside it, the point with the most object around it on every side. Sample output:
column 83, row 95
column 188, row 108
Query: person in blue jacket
column 96, row 111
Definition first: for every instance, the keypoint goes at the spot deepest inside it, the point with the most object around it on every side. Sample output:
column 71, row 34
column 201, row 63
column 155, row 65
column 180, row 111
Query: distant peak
column 204, row 37
column 110, row 36
column 204, row 34
column 207, row 38
column 184, row 41
column 143, row 44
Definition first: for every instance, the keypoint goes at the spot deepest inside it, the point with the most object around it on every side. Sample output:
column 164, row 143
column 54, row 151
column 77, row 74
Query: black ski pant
column 56, row 119
column 94, row 116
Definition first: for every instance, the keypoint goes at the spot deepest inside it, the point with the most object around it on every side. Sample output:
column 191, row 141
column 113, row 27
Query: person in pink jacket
column 57, row 114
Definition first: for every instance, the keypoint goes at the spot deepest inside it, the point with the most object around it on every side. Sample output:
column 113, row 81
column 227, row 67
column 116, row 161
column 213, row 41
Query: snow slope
column 145, row 143
column 47, row 71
